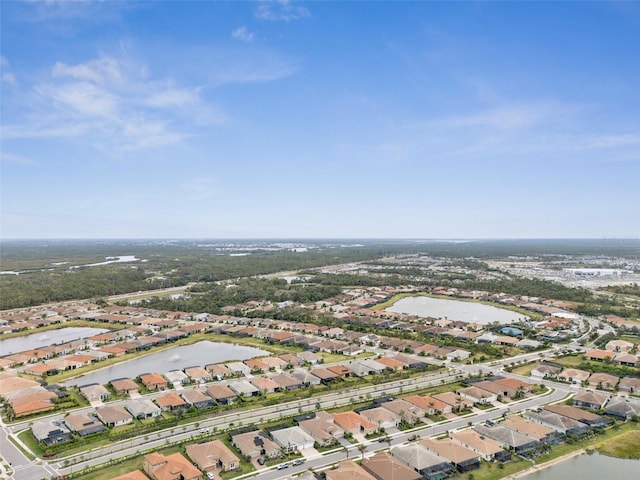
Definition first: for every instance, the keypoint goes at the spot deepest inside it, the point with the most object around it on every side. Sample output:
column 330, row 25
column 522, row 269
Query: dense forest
column 50, row 271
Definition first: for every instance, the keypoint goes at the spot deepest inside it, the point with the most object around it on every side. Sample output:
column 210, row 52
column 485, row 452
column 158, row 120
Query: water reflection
column 176, row 358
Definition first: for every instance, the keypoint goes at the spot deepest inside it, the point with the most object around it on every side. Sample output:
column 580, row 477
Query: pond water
column 454, row 310
column 176, row 358
column 45, row 339
column 589, row 467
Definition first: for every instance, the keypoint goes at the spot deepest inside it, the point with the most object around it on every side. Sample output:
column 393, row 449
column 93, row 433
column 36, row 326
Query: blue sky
column 320, row 119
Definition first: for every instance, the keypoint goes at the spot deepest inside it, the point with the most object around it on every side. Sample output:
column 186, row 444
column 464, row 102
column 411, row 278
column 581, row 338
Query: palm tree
column 362, row 449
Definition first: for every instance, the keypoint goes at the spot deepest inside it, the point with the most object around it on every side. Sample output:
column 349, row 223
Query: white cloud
column 506, row 117
column 243, row 34
column 280, row 10
column 254, row 71
column 10, row 79
column 175, row 97
column 99, row 71
column 82, row 97
column 42, row 129
column 16, row 159
column 111, row 103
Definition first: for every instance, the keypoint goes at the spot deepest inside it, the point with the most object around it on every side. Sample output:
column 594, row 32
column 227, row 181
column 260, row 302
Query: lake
column 589, row 467
column 45, row 339
column 455, row 310
column 176, row 358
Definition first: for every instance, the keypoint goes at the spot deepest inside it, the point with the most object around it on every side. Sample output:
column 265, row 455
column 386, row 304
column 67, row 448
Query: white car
column 210, row 475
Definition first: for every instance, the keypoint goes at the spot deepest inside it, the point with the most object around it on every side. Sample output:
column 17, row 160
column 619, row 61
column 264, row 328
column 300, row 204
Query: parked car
column 261, row 461
column 210, row 475
column 298, row 461
column 282, row 466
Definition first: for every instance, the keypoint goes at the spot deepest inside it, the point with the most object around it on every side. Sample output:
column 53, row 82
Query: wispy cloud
column 45, row 10
column 10, row 158
column 112, row 102
column 8, row 77
column 507, row 117
column 102, row 70
column 280, row 10
column 243, row 34
column 258, row 69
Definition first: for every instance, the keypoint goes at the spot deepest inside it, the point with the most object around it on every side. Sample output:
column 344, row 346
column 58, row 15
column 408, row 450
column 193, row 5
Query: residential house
column 170, row 467
column 603, row 381
column 51, row 432
column 212, row 456
column 629, row 384
column 575, row 413
column 265, row 385
column 305, row 377
column 287, row 382
column 113, row 415
column 171, row 402
column 95, row 392
column 384, row 466
column 340, row 370
column 598, row 355
column 322, row 428
column 222, row 394
column 407, row 412
column 623, row 408
column 256, row 444
column 309, row 357
column 353, row 423
column 292, row 438
column 243, row 388
column 626, row 359
column 290, row 359
column 430, row 405
column 488, row 448
column 83, row 424
column 619, row 346
column 496, row 389
column 546, row 371
column 477, row 395
column 177, row 377
column 381, row 417
column 238, row 369
column 142, row 408
column 561, row 424
column 454, row 402
column 519, row 443
column 590, row 400
column 153, row 381
column 218, row 371
column 532, row 429
column 135, row 475
column 326, row 376
column 574, row 375
column 427, row 464
column 462, row 458
column 199, row 374
column 197, row 398
column 348, row 470
column 391, row 363
column 124, row 386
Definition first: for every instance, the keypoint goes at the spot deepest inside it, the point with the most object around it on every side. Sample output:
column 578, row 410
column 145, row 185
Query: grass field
column 626, row 445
